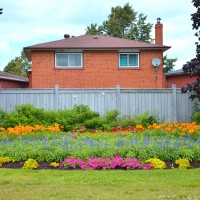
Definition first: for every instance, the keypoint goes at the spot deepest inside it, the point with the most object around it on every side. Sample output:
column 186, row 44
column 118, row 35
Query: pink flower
column 119, row 127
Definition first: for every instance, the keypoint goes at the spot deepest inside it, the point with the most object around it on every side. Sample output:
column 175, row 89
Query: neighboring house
column 97, row 61
column 179, row 78
column 8, row 80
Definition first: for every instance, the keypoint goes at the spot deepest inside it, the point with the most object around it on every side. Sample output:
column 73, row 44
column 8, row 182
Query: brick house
column 8, row 80
column 97, row 61
column 179, row 78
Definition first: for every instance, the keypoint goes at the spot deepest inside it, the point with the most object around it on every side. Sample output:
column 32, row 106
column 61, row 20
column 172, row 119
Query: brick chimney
column 159, row 32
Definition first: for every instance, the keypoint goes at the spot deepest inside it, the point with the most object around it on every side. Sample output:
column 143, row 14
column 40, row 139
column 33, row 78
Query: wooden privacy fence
column 167, row 103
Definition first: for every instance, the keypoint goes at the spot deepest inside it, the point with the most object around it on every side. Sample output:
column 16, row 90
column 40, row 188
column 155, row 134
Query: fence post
column 56, row 97
column 118, row 98
column 174, row 103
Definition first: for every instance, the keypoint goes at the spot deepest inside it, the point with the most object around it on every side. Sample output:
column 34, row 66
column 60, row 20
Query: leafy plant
column 197, row 118
column 54, row 164
column 5, row 160
column 193, row 66
column 94, row 123
column 145, row 119
column 111, row 115
column 30, row 164
column 183, row 163
column 157, row 163
column 195, row 109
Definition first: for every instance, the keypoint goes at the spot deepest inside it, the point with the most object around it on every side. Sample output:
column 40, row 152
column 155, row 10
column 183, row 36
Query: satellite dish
column 156, row 62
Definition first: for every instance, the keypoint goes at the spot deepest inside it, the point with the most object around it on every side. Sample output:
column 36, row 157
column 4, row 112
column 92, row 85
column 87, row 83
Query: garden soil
column 46, row 165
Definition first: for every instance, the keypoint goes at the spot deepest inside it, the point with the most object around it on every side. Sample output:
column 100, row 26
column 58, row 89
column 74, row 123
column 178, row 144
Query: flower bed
column 49, row 144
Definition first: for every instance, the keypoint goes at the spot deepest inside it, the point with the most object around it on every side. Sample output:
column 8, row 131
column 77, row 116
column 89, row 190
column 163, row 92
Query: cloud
column 28, row 22
column 6, row 53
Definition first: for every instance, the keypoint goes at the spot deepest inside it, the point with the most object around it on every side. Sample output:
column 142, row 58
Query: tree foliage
column 18, row 65
column 169, row 64
column 193, row 66
column 124, row 22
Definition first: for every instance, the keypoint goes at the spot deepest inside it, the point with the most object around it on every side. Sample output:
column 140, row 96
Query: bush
column 145, row 119
column 3, row 115
column 197, row 118
column 95, row 123
column 111, row 115
column 81, row 113
column 195, row 108
column 183, row 163
column 25, row 114
column 54, row 164
column 157, row 163
column 5, row 160
column 73, row 119
column 30, row 164
column 126, row 121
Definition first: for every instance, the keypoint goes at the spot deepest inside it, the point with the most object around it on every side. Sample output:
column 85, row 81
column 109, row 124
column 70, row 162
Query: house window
column 128, row 60
column 65, row 60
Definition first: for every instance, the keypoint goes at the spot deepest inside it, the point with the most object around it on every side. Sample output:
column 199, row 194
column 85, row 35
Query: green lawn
column 88, row 185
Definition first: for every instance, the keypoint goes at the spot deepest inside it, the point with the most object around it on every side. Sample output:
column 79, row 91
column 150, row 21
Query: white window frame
column 128, row 59
column 69, row 62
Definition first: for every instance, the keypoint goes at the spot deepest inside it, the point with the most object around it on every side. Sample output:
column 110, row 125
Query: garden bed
column 46, row 165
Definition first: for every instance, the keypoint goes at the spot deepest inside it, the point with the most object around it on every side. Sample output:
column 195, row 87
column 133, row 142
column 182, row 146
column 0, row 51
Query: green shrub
column 54, row 164
column 5, row 160
column 27, row 114
column 126, row 121
column 95, row 123
column 81, row 113
column 186, row 153
column 195, row 108
column 183, row 163
column 3, row 115
column 30, row 164
column 157, row 163
column 111, row 115
column 197, row 117
column 24, row 114
column 145, row 119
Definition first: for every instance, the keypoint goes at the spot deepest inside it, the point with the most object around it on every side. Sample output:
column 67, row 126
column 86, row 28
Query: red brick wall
column 30, row 78
column 179, row 80
column 159, row 33
column 100, row 70
column 12, row 84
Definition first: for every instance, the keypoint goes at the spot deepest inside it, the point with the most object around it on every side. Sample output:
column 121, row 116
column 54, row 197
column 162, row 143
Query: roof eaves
column 13, row 79
column 93, row 48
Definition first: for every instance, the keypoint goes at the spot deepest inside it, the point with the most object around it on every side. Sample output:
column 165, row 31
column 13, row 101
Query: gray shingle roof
column 175, row 72
column 13, row 77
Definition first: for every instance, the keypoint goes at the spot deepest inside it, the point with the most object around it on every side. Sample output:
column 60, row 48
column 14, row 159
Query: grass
column 99, row 185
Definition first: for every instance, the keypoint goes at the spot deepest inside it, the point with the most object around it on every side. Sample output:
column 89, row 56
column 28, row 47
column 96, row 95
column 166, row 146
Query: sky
column 29, row 22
